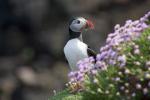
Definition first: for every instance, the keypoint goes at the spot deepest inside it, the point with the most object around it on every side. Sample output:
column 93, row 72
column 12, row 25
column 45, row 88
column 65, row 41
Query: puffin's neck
column 73, row 35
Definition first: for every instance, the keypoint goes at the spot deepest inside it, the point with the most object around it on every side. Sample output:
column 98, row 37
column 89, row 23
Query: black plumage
column 91, row 52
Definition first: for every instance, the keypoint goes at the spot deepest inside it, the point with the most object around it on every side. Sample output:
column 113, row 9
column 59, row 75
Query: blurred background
column 34, row 32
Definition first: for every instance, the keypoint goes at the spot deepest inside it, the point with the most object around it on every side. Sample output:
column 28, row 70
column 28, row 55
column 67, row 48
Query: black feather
column 72, row 19
column 91, row 52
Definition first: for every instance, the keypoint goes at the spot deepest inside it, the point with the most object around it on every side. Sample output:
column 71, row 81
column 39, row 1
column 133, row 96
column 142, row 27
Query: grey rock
column 54, row 39
column 96, row 38
column 27, row 76
column 76, row 6
column 36, row 10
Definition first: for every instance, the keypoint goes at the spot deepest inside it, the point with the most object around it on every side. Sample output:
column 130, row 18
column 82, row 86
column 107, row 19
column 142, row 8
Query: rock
column 42, row 63
column 16, row 40
column 121, row 1
column 54, row 78
column 60, row 71
column 36, row 95
column 7, row 86
column 78, row 6
column 7, row 65
column 27, row 76
column 36, row 10
column 96, row 37
column 54, row 39
column 133, row 12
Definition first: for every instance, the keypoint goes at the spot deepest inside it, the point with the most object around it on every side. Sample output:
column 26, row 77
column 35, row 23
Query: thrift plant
column 121, row 70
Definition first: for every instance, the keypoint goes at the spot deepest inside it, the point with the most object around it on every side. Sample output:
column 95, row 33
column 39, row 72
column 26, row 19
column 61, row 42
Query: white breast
column 75, row 50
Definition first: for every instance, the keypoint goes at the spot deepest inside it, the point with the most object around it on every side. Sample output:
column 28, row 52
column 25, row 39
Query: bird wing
column 91, row 52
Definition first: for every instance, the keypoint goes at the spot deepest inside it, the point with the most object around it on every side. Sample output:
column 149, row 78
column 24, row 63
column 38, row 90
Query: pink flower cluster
column 110, row 54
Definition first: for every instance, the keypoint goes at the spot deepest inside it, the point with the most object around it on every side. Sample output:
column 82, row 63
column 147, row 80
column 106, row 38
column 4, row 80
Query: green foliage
column 130, row 82
column 65, row 95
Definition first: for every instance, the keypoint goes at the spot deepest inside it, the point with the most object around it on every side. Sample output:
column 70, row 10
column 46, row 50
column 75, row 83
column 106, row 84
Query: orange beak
column 89, row 24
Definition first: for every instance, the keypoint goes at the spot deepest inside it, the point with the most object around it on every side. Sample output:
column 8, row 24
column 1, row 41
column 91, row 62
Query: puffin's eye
column 78, row 22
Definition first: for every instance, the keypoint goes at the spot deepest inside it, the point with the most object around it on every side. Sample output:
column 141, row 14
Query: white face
column 78, row 24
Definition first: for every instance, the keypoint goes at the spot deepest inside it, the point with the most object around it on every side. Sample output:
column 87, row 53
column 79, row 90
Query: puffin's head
column 79, row 24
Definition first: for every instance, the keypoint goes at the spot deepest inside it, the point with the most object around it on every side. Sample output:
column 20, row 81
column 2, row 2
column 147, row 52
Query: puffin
column 75, row 49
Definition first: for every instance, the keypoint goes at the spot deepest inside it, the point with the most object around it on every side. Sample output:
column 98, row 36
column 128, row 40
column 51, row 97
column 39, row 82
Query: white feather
column 75, row 50
column 75, row 26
